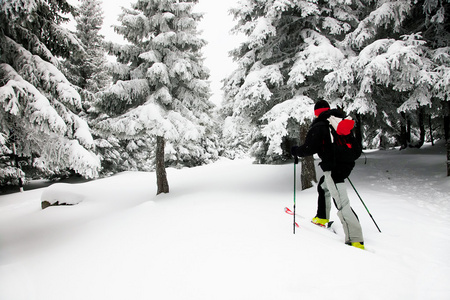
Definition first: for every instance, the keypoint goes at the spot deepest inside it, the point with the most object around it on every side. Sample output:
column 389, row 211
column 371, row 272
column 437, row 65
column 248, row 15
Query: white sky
column 216, row 26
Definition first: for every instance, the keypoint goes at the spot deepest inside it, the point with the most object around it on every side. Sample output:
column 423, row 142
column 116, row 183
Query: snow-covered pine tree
column 393, row 74
column 437, row 33
column 290, row 47
column 87, row 69
column 247, row 93
column 259, row 82
column 37, row 101
column 161, row 94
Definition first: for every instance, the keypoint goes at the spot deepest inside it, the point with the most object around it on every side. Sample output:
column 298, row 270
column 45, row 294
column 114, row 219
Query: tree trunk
column 358, row 129
column 161, row 176
column 408, row 130
column 447, row 134
column 447, row 121
column 422, row 128
column 17, row 165
column 431, row 130
column 403, row 132
column 308, row 174
column 448, row 157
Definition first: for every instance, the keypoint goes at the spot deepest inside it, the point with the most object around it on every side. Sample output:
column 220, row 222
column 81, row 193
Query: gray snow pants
column 349, row 220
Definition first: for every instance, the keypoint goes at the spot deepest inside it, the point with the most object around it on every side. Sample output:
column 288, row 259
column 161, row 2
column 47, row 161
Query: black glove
column 294, row 152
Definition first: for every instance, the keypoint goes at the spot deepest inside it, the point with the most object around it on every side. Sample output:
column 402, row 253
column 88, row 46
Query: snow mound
column 61, row 194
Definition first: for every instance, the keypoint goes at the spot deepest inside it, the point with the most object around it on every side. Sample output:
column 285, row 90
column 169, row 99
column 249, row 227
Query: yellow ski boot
column 358, row 245
column 320, row 222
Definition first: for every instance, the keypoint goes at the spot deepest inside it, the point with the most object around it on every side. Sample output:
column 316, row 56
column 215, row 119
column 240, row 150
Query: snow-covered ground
column 222, row 233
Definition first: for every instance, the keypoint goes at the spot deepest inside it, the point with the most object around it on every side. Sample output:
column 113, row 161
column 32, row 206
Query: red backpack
column 346, row 146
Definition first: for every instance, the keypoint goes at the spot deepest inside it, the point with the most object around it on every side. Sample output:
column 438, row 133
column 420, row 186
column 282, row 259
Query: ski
column 288, row 211
column 327, row 226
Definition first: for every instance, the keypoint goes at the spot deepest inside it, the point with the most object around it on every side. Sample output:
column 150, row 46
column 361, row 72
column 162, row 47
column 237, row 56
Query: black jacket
column 318, row 141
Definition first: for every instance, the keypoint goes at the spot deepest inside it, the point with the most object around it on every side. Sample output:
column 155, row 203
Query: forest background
column 68, row 110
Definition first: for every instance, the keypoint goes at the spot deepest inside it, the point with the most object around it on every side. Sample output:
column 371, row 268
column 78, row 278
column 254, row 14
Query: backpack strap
column 331, row 134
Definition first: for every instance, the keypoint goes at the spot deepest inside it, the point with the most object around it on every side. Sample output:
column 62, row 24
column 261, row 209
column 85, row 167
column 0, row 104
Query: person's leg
column 349, row 220
column 323, row 200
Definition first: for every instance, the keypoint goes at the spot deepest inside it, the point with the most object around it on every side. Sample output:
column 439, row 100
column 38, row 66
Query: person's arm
column 313, row 142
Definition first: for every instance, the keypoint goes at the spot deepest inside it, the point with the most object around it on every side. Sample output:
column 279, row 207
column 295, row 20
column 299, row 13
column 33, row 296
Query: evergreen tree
column 259, row 82
column 291, row 46
column 87, row 69
column 161, row 93
column 397, row 70
column 37, row 101
column 384, row 61
column 437, row 33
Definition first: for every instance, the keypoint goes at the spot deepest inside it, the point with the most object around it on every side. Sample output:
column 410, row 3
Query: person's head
column 320, row 107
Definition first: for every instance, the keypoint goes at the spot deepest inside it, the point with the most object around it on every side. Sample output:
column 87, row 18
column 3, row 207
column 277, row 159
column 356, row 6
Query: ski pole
column 363, row 204
column 295, row 184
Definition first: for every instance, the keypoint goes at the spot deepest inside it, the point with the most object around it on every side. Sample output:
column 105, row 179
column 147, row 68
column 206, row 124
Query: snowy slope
column 222, row 233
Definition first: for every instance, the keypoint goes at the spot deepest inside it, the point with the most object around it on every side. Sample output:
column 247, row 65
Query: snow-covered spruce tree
column 392, row 77
column 250, row 89
column 161, row 94
column 87, row 69
column 291, row 46
column 438, row 34
column 37, row 101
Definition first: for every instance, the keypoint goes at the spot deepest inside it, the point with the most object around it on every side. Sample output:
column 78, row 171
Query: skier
column 336, row 169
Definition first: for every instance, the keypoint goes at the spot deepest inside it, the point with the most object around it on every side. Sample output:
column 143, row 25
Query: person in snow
column 336, row 169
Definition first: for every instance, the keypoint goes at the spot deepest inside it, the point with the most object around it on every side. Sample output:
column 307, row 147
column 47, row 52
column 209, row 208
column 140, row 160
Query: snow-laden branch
column 150, row 119
column 37, row 71
column 319, row 54
column 441, row 57
column 390, row 14
column 262, row 30
column 298, row 108
column 255, row 87
column 127, row 90
column 403, row 66
column 60, row 154
column 20, row 98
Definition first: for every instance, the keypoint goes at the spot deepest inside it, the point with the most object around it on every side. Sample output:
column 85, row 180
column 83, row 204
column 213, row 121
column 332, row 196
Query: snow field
column 222, row 233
